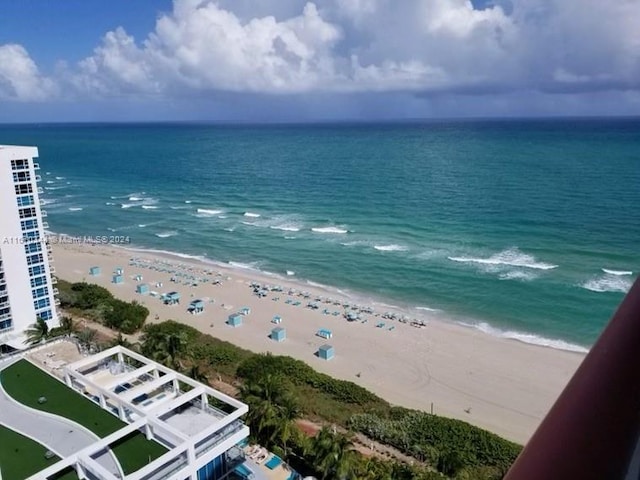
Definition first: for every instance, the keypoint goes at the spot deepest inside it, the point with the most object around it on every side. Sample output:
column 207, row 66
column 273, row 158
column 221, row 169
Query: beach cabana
column 172, row 298
column 324, row 333
column 277, row 319
column 94, row 271
column 245, row 311
column 117, row 279
column 234, row 320
column 196, row 306
column 326, row 352
column 118, row 271
column 142, row 288
column 278, row 334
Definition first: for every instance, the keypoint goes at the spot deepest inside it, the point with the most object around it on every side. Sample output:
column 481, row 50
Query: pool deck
column 262, row 472
column 60, row 435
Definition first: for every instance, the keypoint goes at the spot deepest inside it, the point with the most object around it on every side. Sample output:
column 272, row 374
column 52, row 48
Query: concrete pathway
column 58, row 434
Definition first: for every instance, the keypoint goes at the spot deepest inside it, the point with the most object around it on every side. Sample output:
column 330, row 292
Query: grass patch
column 21, row 457
column 26, row 383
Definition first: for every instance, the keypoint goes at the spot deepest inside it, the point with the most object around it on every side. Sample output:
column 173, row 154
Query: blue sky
column 293, row 60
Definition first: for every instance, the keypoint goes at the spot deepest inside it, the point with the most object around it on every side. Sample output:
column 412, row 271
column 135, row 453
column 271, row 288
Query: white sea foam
column 74, row 209
column 428, row 309
column 168, row 234
column 141, row 225
column 127, row 205
column 136, row 199
column 50, row 181
column 511, row 257
column 229, row 229
column 291, row 273
column 252, row 215
column 109, row 203
column 245, row 266
column 187, row 201
column 528, row 338
column 617, row 272
column 390, row 248
column 250, row 224
column 208, row 211
column 289, row 237
column 182, row 207
column 60, row 178
column 222, row 217
column 47, row 173
column 149, row 207
column 334, row 230
column 608, row 283
column 524, row 275
column 286, row 227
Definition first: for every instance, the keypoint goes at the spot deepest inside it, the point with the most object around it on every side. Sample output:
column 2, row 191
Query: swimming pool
column 243, row 471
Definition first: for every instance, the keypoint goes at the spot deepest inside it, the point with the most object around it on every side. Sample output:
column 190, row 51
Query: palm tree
column 272, row 410
column 87, row 338
column 37, row 332
column 166, row 348
column 198, row 375
column 333, row 455
column 122, row 341
column 67, row 325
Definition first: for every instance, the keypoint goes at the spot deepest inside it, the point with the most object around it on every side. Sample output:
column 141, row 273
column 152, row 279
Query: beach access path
column 502, row 385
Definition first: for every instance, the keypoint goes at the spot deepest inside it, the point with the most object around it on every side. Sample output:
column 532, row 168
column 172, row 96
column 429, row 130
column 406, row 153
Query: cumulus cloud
column 423, row 47
column 19, row 76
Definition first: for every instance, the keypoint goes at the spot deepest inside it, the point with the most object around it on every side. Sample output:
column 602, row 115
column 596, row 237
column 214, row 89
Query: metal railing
column 592, row 432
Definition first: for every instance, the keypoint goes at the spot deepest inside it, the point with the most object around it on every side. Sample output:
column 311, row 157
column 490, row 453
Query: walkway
column 58, row 434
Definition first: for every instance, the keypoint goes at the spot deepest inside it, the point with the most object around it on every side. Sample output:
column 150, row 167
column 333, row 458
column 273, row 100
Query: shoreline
column 422, row 312
column 496, row 383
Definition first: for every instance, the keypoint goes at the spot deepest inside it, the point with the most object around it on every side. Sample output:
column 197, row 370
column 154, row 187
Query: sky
column 297, row 60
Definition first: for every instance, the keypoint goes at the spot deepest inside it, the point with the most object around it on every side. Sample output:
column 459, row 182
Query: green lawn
column 26, row 383
column 21, row 457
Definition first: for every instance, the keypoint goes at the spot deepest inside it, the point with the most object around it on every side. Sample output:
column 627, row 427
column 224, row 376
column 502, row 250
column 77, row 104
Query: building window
column 37, row 270
column 37, row 281
column 28, row 224
column 35, row 258
column 29, row 212
column 46, row 315
column 32, row 248
column 25, row 200
column 24, row 188
column 39, row 292
column 4, row 299
column 19, row 164
column 21, row 177
column 42, row 303
column 5, row 324
column 31, row 236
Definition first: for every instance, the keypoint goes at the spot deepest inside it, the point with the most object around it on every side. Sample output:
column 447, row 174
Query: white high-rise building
column 27, row 288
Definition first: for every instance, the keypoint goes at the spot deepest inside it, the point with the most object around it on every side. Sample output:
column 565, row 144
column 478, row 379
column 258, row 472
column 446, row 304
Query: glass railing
column 219, row 437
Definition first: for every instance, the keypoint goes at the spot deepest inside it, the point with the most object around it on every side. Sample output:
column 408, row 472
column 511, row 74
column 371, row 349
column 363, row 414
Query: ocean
column 527, row 229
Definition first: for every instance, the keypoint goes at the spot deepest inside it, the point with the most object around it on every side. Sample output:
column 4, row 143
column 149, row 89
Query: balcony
column 52, row 269
column 593, row 429
column 43, row 213
column 45, row 225
column 56, row 291
column 56, row 302
column 40, row 190
column 36, row 166
column 54, row 280
column 38, row 178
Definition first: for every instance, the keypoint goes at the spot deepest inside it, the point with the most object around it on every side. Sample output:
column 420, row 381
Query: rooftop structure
column 27, row 288
column 198, row 426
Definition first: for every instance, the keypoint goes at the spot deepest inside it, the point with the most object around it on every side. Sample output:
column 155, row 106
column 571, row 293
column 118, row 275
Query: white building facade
column 27, row 287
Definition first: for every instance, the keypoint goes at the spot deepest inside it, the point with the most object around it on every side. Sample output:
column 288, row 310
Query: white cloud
column 19, row 76
column 415, row 46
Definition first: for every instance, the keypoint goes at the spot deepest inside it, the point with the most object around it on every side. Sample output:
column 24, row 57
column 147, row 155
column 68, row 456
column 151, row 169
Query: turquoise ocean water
column 529, row 229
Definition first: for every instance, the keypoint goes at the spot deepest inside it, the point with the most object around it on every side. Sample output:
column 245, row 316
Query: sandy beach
column 502, row 385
